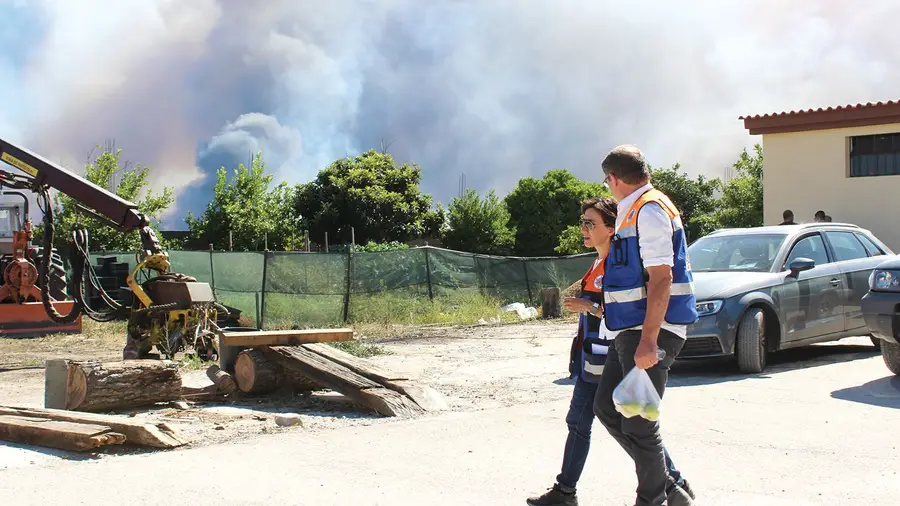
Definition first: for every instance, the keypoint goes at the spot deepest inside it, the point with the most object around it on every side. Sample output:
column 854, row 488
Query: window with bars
column 875, row 155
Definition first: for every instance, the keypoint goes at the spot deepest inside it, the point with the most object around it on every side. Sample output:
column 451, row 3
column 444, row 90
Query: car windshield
column 750, row 252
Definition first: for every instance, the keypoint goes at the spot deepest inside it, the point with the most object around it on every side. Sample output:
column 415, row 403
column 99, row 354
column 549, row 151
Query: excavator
column 168, row 310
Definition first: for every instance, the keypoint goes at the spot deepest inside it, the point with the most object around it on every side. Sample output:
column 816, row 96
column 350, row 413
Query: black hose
column 80, row 264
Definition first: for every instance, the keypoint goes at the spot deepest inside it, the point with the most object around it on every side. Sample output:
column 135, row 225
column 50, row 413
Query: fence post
column 428, row 274
column 527, row 282
column 347, row 293
column 262, row 309
column 212, row 274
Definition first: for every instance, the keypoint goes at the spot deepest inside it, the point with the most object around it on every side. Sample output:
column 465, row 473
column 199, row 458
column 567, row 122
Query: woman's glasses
column 588, row 224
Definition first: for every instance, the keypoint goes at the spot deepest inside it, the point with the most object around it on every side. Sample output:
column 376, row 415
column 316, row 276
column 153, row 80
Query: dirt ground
column 475, row 368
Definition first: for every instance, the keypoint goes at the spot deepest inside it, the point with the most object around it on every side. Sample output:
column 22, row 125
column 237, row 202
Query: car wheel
column 876, row 342
column 751, row 342
column 890, row 352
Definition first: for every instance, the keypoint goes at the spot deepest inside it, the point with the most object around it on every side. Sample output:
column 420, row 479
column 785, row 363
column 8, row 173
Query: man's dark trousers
column 638, row 436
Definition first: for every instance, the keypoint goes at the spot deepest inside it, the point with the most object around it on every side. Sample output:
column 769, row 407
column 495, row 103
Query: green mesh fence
column 277, row 290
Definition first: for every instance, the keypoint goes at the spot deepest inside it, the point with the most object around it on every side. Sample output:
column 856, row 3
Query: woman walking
column 586, row 359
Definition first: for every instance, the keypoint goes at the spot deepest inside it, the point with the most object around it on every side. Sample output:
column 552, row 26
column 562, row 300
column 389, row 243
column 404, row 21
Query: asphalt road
column 818, row 428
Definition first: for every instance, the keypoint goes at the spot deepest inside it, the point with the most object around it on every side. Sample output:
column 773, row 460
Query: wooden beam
column 156, row 435
column 284, row 337
column 425, row 396
column 341, row 379
column 70, row 436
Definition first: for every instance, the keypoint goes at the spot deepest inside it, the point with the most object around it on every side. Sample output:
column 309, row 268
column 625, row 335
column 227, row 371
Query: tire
column 876, row 342
column 58, row 283
column 890, row 352
column 751, row 342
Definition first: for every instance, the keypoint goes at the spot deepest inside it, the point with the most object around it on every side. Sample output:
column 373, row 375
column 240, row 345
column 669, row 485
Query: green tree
column 249, row 208
column 371, row 193
column 479, row 225
column 571, row 241
column 741, row 204
column 695, row 198
column 109, row 171
column 541, row 209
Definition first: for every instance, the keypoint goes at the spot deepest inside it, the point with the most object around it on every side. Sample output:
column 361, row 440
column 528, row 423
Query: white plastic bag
column 636, row 396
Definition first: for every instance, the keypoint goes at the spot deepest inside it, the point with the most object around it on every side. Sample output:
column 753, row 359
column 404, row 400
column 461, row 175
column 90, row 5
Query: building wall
column 808, row 171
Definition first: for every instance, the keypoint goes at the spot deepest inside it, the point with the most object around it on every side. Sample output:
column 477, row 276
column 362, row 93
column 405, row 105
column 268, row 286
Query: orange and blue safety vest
column 625, row 281
column 590, row 347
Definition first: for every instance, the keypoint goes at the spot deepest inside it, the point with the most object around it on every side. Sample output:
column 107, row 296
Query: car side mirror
column 801, row 264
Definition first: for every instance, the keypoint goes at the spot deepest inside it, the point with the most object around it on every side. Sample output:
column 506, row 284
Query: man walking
column 648, row 303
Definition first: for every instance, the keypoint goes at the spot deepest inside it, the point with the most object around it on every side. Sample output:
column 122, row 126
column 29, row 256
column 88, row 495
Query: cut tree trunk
column 68, row 436
column 224, row 382
column 137, row 432
column 96, row 387
column 552, row 303
column 255, row 373
column 339, row 378
column 423, row 395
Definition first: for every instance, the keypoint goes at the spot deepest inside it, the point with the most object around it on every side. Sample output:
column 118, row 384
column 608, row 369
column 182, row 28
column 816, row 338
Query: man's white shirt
column 654, row 242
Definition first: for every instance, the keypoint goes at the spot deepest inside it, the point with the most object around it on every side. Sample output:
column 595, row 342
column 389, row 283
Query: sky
column 495, row 89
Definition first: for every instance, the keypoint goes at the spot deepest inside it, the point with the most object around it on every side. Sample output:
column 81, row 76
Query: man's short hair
column 820, row 214
column 627, row 163
column 827, row 219
column 787, row 214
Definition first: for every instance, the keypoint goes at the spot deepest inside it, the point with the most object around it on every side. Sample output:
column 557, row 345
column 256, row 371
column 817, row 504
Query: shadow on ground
column 721, row 370
column 883, row 392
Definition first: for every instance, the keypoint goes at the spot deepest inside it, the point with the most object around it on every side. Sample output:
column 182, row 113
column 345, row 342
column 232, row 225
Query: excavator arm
column 39, row 175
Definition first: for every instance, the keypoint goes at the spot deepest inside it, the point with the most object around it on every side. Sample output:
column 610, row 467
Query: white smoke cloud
column 497, row 89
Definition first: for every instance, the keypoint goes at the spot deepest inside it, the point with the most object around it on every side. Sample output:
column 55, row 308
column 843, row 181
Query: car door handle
column 835, row 282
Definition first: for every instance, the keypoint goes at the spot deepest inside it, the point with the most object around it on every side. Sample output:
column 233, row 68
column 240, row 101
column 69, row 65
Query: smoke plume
column 495, row 89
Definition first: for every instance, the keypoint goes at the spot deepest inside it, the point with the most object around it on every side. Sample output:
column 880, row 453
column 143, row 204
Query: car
column 765, row 289
column 881, row 310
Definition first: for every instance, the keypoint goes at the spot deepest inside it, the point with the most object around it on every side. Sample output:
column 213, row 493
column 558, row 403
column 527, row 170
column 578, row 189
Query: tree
column 571, row 241
column 695, row 198
column 247, row 207
column 479, row 226
column 110, row 172
column 741, row 204
column 541, row 209
column 372, row 194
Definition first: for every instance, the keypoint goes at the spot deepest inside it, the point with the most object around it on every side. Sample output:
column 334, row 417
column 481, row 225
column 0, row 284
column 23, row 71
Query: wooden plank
column 341, row 379
column 68, row 436
column 284, row 337
column 156, row 435
column 425, row 396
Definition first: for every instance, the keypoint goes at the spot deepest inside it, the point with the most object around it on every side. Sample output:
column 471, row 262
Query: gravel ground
column 813, row 429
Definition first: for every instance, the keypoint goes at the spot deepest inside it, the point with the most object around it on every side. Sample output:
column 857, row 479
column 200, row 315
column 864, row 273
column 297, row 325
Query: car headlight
column 708, row 307
column 885, row 280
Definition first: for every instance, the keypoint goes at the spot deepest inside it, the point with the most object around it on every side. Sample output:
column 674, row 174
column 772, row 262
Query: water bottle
column 660, row 354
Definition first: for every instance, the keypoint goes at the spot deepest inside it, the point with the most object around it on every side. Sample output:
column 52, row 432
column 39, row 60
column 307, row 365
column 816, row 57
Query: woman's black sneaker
column 554, row 497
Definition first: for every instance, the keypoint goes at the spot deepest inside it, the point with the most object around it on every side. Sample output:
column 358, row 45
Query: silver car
column 765, row 289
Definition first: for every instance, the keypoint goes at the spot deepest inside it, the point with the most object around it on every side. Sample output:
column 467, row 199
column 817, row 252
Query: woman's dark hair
column 606, row 206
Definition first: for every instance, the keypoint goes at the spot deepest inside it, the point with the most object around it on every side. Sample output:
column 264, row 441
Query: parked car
column 765, row 289
column 881, row 310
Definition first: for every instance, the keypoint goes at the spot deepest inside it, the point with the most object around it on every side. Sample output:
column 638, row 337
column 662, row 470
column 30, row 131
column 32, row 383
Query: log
column 255, row 373
column 95, row 387
column 137, row 432
column 224, row 382
column 426, row 397
column 68, row 436
column 341, row 379
column 551, row 307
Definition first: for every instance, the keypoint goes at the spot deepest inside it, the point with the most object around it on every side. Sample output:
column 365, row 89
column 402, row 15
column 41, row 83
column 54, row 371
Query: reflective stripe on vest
column 624, row 282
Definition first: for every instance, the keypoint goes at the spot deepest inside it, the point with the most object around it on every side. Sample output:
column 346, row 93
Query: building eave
column 869, row 114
